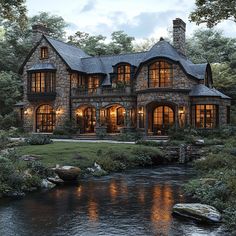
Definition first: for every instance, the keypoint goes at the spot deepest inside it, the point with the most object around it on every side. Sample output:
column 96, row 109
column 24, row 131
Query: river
column 137, row 202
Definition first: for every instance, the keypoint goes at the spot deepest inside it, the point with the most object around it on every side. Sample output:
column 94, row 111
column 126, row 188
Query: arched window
column 160, row 74
column 45, row 119
column 123, row 74
column 163, row 119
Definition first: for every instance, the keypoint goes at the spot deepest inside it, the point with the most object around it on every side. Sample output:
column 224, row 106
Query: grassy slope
column 66, row 153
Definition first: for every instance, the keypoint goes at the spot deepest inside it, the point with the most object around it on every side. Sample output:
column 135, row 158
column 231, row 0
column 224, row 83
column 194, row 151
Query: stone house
column 147, row 91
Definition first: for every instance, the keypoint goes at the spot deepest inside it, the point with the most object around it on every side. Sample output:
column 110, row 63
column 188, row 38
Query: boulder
column 47, row 184
column 199, row 142
column 68, row 173
column 197, row 211
column 56, row 180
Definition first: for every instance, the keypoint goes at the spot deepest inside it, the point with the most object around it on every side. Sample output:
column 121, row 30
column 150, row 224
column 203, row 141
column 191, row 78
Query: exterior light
column 58, row 111
column 181, row 110
column 79, row 113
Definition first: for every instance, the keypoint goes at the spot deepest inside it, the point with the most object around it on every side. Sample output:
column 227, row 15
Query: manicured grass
column 71, row 153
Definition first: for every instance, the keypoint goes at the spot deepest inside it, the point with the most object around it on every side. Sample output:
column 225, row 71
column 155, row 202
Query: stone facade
column 130, row 106
column 61, row 103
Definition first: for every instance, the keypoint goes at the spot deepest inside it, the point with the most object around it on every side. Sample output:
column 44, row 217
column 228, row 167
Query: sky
column 138, row 18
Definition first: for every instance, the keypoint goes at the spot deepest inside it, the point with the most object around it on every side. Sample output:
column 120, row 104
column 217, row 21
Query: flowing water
column 138, row 202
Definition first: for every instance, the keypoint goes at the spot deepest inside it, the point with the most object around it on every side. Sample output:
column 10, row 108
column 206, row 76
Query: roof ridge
column 116, row 55
column 70, row 45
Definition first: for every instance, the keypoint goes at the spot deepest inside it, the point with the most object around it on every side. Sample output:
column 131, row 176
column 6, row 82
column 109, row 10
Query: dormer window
column 160, row 74
column 123, row 74
column 44, row 53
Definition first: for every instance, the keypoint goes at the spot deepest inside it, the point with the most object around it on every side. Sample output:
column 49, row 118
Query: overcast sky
column 138, row 18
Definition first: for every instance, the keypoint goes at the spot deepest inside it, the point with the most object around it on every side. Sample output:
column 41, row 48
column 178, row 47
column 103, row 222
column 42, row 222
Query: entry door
column 45, row 119
column 163, row 119
column 90, row 119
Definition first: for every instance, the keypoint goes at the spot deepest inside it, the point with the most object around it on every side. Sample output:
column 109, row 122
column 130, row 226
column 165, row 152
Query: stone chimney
column 179, row 27
column 38, row 30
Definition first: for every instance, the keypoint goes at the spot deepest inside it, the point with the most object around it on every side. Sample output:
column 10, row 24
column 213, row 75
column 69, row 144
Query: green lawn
column 71, row 153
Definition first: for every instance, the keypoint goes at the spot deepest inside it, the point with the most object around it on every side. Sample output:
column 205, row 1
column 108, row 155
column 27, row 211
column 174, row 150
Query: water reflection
column 92, row 210
column 137, row 203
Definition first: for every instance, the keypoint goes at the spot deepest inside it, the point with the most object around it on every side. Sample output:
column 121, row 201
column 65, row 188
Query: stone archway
column 160, row 117
column 45, row 119
column 114, row 117
column 163, row 118
column 86, row 118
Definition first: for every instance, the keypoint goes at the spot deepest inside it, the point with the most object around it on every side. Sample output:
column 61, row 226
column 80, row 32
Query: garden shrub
column 149, row 143
column 38, row 139
column 145, row 156
column 39, row 169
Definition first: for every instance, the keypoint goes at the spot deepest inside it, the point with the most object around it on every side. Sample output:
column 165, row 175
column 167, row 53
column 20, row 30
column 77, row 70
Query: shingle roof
column 42, row 66
column 201, row 90
column 71, row 55
column 78, row 60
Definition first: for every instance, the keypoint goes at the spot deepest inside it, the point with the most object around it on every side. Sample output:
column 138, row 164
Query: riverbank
column 215, row 183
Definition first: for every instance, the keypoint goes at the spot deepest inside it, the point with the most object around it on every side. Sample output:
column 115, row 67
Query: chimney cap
column 178, row 22
column 40, row 27
column 162, row 39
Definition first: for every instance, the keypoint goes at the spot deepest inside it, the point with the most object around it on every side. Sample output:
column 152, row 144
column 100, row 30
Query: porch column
column 146, row 120
column 97, row 117
column 127, row 118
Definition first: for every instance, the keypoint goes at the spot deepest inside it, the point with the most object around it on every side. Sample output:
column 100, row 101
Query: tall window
column 163, row 118
column 204, row 116
column 120, row 116
column 44, row 52
column 228, row 114
column 160, row 74
column 42, row 82
column 45, row 119
column 93, row 83
column 123, row 74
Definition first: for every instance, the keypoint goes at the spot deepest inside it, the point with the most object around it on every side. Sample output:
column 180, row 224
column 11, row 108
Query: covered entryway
column 45, row 119
column 113, row 117
column 163, row 119
column 86, row 119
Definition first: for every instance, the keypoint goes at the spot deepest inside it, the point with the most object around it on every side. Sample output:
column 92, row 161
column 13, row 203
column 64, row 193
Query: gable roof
column 77, row 60
column 201, row 90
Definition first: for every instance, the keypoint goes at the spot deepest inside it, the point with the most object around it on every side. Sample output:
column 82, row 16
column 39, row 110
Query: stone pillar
column 97, row 117
column 146, row 120
column 127, row 118
column 179, row 27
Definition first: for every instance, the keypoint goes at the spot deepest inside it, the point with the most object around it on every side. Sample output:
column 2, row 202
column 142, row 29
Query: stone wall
column 61, row 103
column 221, row 103
column 180, row 79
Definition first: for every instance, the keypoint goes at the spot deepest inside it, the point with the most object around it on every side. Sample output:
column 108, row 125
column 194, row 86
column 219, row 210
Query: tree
column 121, row 43
column 55, row 24
column 212, row 12
column 9, row 92
column 95, row 45
column 13, row 11
column 210, row 46
column 145, row 44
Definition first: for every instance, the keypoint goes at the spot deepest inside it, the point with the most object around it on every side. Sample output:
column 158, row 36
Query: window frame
column 203, row 115
column 123, row 73
column 158, row 74
column 42, row 82
column 43, row 53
